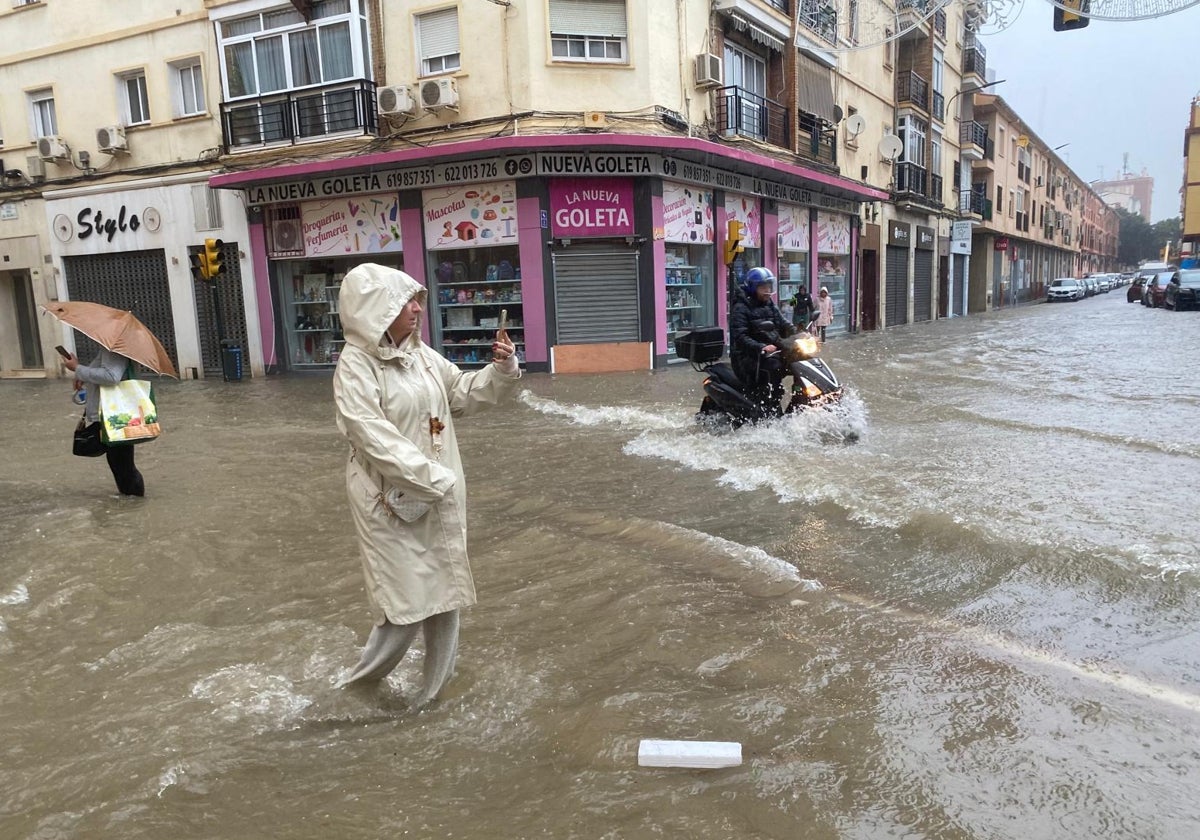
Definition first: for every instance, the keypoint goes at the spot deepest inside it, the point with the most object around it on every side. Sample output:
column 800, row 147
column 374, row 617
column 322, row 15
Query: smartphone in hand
column 62, row 351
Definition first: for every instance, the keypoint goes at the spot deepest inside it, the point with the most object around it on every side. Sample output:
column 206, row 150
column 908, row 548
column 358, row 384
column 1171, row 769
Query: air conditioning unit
column 35, row 169
column 285, row 235
column 52, row 148
column 439, row 94
column 708, row 70
column 111, row 138
column 397, row 99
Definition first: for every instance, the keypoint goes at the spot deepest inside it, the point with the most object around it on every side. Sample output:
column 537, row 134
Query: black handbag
column 87, row 439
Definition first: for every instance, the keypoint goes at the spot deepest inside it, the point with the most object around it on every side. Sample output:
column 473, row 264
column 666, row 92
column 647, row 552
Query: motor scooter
column 728, row 399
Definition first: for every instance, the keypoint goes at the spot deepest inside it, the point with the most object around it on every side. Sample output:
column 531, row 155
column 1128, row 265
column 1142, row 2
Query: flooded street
column 978, row 621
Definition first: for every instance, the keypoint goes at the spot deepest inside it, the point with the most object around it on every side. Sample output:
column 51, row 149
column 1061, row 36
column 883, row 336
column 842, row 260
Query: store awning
column 815, row 88
column 756, row 32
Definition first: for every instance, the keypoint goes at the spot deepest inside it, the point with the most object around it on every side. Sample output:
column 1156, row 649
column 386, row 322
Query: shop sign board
column 833, row 233
column 960, row 238
column 591, row 206
column 8, row 211
column 899, row 234
column 925, row 238
column 1001, row 243
column 687, row 214
column 793, row 228
column 542, row 164
column 747, row 210
column 476, row 216
column 365, row 225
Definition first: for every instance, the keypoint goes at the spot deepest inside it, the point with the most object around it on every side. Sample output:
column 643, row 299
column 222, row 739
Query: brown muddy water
column 978, row 621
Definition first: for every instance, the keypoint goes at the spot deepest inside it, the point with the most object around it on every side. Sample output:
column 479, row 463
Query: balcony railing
column 784, row 6
column 939, row 107
column 912, row 89
column 975, row 202
column 816, row 139
column 974, row 56
column 910, row 178
column 741, row 112
column 821, row 17
column 936, row 188
column 939, row 22
column 974, row 133
column 296, row 116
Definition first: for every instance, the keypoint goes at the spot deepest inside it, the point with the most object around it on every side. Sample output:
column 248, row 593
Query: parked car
column 1137, row 285
column 1156, row 290
column 1089, row 287
column 1064, row 288
column 1183, row 291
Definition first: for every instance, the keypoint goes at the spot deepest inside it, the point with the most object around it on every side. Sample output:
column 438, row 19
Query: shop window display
column 833, row 267
column 472, row 286
column 309, row 291
column 688, row 281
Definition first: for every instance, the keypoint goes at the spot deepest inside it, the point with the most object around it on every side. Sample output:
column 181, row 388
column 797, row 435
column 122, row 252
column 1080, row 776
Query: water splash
column 19, row 595
column 247, row 691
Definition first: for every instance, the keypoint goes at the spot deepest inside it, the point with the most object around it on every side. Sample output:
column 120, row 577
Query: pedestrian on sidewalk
column 803, row 309
column 396, row 402
column 108, row 368
column 824, row 311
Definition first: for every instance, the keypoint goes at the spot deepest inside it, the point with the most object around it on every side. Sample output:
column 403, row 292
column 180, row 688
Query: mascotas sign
column 591, row 207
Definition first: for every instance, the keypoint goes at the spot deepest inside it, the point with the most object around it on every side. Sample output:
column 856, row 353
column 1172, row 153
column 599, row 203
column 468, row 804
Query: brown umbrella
column 116, row 330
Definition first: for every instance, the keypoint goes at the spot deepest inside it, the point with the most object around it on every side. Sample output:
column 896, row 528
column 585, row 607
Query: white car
column 1064, row 288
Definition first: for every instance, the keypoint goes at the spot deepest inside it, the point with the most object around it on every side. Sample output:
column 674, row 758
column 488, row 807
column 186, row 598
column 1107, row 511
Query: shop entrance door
column 868, row 284
column 896, row 293
column 923, row 285
column 596, row 295
column 944, row 304
column 20, row 293
column 133, row 280
column 959, row 296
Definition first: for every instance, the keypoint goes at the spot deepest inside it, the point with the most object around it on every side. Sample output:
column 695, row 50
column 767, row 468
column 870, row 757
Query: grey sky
column 1108, row 89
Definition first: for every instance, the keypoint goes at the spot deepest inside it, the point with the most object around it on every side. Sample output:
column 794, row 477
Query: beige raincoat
column 396, row 406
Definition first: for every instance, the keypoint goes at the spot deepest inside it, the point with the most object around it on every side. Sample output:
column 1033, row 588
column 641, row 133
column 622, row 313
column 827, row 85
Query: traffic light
column 733, row 241
column 214, row 259
column 199, row 268
column 1072, row 14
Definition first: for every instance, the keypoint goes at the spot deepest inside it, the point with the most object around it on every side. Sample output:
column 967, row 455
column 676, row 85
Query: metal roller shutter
column 958, row 303
column 233, row 312
column 923, row 286
column 596, row 295
column 132, row 280
column 896, row 300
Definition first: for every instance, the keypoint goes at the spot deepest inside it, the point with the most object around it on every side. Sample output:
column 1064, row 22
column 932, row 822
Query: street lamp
column 973, row 89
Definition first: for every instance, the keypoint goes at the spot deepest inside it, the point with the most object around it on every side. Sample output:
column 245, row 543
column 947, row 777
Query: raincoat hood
column 370, row 299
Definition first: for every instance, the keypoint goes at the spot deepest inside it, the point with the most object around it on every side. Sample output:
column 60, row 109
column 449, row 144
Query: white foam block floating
column 696, row 754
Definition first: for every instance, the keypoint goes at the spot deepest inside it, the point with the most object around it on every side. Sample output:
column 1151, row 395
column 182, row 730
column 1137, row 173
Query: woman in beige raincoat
column 396, row 402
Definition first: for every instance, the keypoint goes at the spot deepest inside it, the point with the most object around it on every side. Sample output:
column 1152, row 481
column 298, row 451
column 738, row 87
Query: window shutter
column 438, row 33
column 601, row 18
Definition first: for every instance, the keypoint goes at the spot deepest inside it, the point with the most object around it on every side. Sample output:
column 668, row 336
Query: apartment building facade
column 574, row 163
column 1190, row 192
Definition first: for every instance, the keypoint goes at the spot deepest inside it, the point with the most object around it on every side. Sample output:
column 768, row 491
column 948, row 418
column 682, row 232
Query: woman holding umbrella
column 123, row 339
column 108, row 368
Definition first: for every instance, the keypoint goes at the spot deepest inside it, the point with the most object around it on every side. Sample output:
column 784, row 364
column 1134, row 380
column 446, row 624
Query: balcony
column 784, row 6
column 816, row 139
column 972, row 136
column 911, row 89
column 912, row 19
column 821, row 17
column 939, row 107
column 939, row 23
column 747, row 114
column 974, row 57
column 974, row 202
column 299, row 116
column 937, row 189
column 910, row 179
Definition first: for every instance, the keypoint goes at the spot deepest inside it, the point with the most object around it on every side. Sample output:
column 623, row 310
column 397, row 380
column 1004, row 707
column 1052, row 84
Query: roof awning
column 756, row 32
column 814, row 88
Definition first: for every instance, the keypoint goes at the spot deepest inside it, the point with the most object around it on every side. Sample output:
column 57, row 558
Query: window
column 134, row 101
column 437, row 42
column 939, row 65
column 852, row 23
column 999, row 199
column 889, row 48
column 276, row 51
column 188, row 93
column 588, row 30
column 41, row 106
column 747, row 73
column 1000, row 145
column 912, row 132
column 1012, row 202
column 935, row 155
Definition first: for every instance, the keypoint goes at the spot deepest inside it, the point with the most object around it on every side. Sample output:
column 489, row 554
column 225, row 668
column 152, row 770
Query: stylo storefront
column 598, row 248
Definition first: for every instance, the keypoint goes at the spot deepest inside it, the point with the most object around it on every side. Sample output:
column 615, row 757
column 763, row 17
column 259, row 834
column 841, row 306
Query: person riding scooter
column 755, row 328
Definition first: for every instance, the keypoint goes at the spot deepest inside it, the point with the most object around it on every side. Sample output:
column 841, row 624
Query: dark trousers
column 762, row 377
column 120, row 461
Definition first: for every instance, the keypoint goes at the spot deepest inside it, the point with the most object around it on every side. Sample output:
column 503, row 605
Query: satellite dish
column 890, row 147
column 855, row 124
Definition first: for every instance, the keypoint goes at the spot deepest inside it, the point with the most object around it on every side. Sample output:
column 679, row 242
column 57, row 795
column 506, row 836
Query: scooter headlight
column 801, row 346
column 811, row 391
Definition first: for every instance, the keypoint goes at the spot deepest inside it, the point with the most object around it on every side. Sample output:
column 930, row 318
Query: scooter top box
column 702, row 345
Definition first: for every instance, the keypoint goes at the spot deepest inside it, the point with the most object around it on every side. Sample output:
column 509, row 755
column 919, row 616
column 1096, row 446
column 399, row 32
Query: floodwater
column 978, row 621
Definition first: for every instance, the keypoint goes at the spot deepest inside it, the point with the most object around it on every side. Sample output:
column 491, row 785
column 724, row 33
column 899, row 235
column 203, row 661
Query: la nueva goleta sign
column 546, row 165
